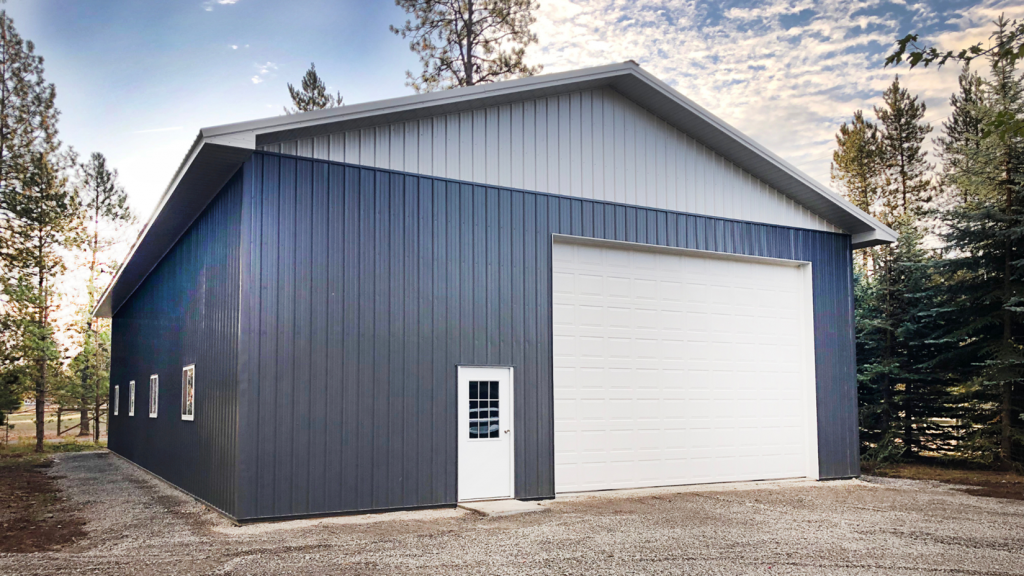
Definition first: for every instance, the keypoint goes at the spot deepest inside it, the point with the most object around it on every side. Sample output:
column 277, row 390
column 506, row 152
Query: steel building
column 570, row 282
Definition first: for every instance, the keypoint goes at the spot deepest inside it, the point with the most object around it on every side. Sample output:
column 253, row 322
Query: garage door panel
column 673, row 368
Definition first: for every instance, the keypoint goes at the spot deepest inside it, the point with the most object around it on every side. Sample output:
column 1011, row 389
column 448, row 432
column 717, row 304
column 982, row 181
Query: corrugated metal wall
column 363, row 289
column 594, row 144
column 185, row 312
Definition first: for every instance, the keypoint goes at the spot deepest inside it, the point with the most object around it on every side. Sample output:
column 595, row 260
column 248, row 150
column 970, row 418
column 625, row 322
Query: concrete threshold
column 716, row 487
column 502, row 507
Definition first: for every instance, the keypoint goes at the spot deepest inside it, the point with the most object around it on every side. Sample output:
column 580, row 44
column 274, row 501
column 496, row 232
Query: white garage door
column 676, row 367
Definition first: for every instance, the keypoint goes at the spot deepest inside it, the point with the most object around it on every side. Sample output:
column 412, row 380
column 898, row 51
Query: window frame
column 154, row 395
column 117, row 397
column 191, row 416
column 131, row 398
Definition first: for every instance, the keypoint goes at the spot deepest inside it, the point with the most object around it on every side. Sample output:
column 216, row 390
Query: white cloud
column 209, row 4
column 234, row 46
column 264, row 71
column 787, row 86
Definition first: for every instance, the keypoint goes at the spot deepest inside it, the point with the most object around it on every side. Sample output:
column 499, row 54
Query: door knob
column 506, row 431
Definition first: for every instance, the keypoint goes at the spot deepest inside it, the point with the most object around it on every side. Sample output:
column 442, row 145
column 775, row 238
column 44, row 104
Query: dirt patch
column 33, row 516
column 987, row 483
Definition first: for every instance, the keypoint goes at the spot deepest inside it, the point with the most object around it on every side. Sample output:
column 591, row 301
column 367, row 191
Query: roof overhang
column 209, row 164
column 220, row 150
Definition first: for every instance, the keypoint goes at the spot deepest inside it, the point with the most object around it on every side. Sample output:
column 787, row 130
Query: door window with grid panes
column 483, row 410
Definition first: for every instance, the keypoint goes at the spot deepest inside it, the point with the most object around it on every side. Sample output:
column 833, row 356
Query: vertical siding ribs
column 368, row 287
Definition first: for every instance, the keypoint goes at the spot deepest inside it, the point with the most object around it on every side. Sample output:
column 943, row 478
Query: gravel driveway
column 138, row 525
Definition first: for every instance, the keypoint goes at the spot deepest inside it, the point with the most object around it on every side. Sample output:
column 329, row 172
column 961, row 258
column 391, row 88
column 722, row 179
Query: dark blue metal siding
column 363, row 289
column 185, row 312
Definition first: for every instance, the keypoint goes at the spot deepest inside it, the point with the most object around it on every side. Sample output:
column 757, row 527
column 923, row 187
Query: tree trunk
column 83, row 428
column 468, row 64
column 908, row 422
column 41, row 405
column 1006, row 411
column 89, row 382
column 1005, row 440
column 96, row 415
column 41, row 382
column 887, row 410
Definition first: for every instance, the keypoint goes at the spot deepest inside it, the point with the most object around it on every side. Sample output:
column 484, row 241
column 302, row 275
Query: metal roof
column 219, row 151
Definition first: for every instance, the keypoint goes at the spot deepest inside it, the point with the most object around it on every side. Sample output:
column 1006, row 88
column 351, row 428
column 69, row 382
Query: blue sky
column 137, row 79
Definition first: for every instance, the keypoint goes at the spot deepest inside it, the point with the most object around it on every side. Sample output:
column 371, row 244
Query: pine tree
column 468, row 42
column 28, row 117
column 12, row 374
column 312, row 95
column 857, row 163
column 38, row 209
column 45, row 223
column 881, row 169
column 908, row 185
column 106, row 210
column 962, row 133
column 1006, row 45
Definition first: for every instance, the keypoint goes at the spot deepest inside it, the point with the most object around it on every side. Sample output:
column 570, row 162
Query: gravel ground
column 138, row 525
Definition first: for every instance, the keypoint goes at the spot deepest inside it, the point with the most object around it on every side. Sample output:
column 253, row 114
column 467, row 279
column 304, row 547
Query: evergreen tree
column 908, row 185
column 45, row 225
column 881, row 169
column 38, row 209
column 922, row 398
column 984, row 270
column 468, row 42
column 962, row 132
column 900, row 390
column 12, row 375
column 878, row 444
column 1006, row 45
column 28, row 118
column 106, row 210
column 312, row 95
column 856, row 163
column 89, row 371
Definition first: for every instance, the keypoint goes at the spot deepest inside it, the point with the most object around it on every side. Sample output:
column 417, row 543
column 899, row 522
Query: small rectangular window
column 188, row 392
column 154, row 394
column 117, row 397
column 131, row 398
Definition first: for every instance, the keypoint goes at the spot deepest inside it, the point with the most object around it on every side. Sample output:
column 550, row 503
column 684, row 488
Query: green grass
column 23, row 426
column 72, row 444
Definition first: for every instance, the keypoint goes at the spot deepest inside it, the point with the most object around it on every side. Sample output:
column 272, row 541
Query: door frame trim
column 511, row 423
column 811, row 460
column 627, row 245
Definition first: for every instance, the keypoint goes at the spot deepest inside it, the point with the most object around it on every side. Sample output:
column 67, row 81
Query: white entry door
column 680, row 367
column 485, row 433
